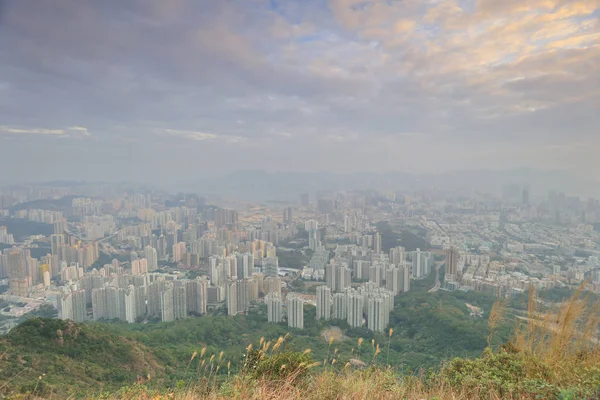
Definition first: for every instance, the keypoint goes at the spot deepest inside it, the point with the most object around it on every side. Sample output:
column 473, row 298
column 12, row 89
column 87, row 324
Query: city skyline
column 97, row 91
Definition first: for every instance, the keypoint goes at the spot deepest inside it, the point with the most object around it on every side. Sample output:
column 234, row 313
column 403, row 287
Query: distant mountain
column 256, row 185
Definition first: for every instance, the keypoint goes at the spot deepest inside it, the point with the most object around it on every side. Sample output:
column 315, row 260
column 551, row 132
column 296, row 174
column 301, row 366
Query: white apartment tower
column 274, row 307
column 295, row 311
column 354, row 306
column 323, row 302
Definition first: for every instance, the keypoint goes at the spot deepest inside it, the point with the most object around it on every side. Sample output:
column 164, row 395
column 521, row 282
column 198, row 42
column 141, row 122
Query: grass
column 554, row 355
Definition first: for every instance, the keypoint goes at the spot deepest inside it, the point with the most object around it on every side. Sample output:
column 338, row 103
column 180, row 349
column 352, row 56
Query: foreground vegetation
column 552, row 354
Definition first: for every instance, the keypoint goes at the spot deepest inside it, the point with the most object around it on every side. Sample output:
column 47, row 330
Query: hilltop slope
column 70, row 359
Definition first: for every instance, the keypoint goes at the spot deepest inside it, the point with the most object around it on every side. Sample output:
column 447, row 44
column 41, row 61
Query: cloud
column 361, row 77
column 70, row 132
column 79, row 131
column 31, row 131
column 192, row 135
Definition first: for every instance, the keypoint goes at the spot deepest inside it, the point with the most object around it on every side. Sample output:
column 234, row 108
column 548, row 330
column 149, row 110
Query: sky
column 154, row 90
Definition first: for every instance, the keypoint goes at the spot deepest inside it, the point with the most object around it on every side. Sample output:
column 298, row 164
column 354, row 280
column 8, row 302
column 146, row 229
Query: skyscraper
column 56, row 241
column 397, row 255
column 274, row 307
column 339, row 306
column 231, row 297
column 393, row 280
column 422, row 261
column 196, row 295
column 271, row 266
column 452, row 257
column 130, row 303
column 179, row 302
column 331, row 275
column 287, row 216
column 377, row 244
column 377, row 314
column 272, row 285
column 295, row 311
column 152, row 257
column 166, row 305
column 72, row 304
column 17, row 274
column 404, row 277
column 354, row 306
column 178, row 251
column 323, row 302
column 376, row 273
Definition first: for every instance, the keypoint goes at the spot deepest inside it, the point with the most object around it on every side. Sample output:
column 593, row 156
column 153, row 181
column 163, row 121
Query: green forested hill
column 51, row 356
column 428, row 328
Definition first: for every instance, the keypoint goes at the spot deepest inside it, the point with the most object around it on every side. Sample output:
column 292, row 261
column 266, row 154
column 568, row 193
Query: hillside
column 428, row 328
column 22, row 228
column 70, row 359
column 435, row 348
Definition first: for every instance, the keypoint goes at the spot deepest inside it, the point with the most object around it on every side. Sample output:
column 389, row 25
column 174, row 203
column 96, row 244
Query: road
column 437, row 278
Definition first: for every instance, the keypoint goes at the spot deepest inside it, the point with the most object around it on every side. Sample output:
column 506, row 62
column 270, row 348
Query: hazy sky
column 155, row 89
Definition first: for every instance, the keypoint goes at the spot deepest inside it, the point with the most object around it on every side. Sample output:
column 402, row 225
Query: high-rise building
column 323, row 302
column 422, row 261
column 60, row 226
column 271, row 266
column 231, row 297
column 272, row 285
column 393, row 280
column 331, row 275
column 274, row 307
column 130, row 303
column 151, row 255
column 178, row 251
column 314, row 240
column 525, row 195
column 242, row 289
column 153, row 293
column 378, row 313
column 71, row 305
column 179, row 302
column 354, row 307
column 397, row 255
column 404, row 277
column 344, row 278
column 245, row 265
column 139, row 266
column 6, row 237
column 338, row 276
column 287, row 216
column 452, row 258
column 167, row 308
column 339, row 306
column 377, row 243
column 295, row 311
column 18, row 281
column 325, row 206
column 56, row 241
column 65, row 306
column 376, row 273
column 99, row 310
column 196, row 295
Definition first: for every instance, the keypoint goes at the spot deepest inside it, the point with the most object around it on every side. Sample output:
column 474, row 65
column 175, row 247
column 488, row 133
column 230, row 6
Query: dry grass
column 556, row 349
column 564, row 339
